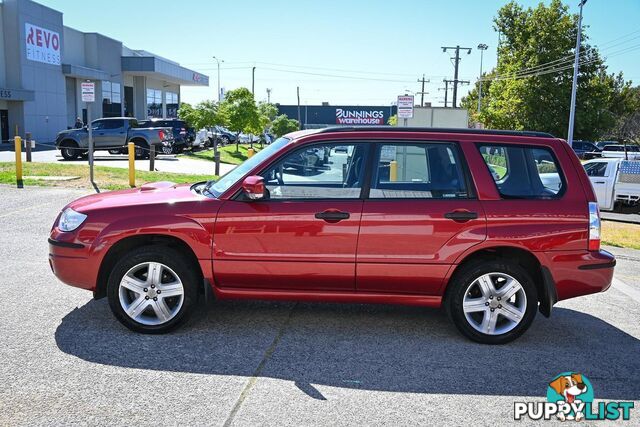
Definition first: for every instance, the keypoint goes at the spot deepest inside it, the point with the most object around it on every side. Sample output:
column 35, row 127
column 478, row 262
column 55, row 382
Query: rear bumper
column 580, row 273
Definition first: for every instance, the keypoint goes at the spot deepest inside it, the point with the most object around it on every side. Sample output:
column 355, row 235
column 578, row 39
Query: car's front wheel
column 492, row 302
column 152, row 289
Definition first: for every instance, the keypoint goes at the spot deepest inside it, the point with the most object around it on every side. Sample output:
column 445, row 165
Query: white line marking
column 626, row 289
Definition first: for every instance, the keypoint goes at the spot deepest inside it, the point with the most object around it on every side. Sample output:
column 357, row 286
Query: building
column 319, row 116
column 43, row 62
column 437, row 117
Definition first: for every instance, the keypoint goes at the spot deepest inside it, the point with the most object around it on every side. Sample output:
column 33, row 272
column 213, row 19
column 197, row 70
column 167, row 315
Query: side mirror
column 253, row 187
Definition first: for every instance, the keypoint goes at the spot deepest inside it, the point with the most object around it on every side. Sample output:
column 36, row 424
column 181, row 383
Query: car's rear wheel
column 492, row 302
column 225, row 140
column 152, row 289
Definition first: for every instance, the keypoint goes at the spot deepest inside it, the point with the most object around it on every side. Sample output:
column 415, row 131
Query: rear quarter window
column 523, row 172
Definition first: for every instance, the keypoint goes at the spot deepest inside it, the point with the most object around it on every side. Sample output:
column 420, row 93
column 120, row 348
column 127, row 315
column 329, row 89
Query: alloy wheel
column 494, row 303
column 151, row 293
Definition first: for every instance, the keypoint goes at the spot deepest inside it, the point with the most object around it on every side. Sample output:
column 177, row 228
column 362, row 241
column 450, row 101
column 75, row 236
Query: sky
column 342, row 52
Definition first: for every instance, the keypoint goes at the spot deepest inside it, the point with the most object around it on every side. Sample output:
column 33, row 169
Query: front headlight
column 70, row 220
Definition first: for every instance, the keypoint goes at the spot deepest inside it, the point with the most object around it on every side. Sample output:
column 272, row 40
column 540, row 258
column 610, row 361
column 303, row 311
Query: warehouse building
column 43, row 62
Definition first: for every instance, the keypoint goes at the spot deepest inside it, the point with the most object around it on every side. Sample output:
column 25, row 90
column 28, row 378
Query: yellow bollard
column 132, row 164
column 250, row 153
column 393, row 171
column 18, row 145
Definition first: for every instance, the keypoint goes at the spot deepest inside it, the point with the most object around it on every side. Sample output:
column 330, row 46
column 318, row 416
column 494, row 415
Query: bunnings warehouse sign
column 359, row 117
column 42, row 45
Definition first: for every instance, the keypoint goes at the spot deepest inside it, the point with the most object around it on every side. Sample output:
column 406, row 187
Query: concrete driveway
column 66, row 360
column 163, row 163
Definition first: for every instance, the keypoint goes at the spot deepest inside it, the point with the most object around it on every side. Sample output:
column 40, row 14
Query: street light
column 481, row 47
column 574, row 87
column 218, row 61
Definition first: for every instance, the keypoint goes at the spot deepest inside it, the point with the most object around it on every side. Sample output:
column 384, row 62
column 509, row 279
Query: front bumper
column 71, row 262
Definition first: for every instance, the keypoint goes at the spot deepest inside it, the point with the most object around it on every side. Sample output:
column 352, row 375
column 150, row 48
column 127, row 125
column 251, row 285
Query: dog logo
column 571, row 390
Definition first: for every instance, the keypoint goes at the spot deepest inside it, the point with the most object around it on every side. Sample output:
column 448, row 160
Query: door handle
column 332, row 216
column 461, row 215
column 598, row 182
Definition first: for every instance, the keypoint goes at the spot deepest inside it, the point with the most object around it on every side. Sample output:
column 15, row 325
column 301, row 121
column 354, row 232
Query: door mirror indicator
column 253, row 187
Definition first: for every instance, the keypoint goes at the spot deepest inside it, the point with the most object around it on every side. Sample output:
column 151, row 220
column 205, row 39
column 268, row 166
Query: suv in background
column 180, row 132
column 224, row 135
column 586, row 150
column 491, row 225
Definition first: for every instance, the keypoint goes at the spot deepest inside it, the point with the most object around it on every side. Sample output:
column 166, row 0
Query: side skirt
column 331, row 296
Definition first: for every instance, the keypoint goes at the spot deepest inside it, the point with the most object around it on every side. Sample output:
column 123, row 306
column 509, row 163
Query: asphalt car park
column 66, row 360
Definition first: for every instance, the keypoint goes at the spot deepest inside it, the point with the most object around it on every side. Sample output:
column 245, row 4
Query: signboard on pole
column 405, row 106
column 88, row 91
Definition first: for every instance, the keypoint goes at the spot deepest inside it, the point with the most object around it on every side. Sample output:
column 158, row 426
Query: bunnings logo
column 359, row 117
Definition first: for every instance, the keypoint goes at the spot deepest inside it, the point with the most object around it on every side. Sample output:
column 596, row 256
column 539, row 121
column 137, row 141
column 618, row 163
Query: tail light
column 594, row 227
column 161, row 135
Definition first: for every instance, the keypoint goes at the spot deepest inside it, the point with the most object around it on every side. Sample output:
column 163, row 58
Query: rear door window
column 523, row 172
column 417, row 171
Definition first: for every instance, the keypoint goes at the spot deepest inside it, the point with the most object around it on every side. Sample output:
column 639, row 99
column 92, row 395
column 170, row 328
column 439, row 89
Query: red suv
column 492, row 225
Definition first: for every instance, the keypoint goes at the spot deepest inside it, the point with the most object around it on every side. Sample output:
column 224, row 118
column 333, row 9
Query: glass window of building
column 171, row 100
column 111, row 99
column 154, row 103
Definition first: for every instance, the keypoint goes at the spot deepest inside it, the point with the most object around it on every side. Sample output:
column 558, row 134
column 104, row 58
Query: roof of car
column 421, row 129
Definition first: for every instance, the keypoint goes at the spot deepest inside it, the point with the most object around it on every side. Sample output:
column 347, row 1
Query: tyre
column 140, row 152
column 225, row 140
column 70, row 151
column 492, row 302
column 152, row 289
column 167, row 149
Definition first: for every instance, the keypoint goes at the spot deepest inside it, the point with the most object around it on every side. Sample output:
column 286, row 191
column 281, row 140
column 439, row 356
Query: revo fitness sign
column 42, row 45
column 359, row 117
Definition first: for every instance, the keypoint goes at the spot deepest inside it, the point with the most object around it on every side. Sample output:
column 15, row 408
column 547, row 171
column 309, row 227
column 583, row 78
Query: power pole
column 299, row 118
column 422, row 92
column 218, row 61
column 446, row 91
column 253, row 81
column 574, row 88
column 456, row 64
column 268, row 95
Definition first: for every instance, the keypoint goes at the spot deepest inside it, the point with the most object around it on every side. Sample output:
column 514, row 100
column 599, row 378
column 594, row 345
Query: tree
column 240, row 112
column 282, row 125
column 204, row 114
column 514, row 99
column 393, row 120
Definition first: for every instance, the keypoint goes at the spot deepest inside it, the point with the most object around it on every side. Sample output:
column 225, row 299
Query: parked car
column 409, row 216
column 602, row 144
column 618, row 152
column 223, row 134
column 180, row 129
column 615, row 182
column 246, row 138
column 113, row 134
column 586, row 150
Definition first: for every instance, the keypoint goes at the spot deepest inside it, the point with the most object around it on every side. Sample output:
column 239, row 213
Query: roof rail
column 436, row 130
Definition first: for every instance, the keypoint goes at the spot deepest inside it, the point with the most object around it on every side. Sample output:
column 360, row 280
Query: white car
column 614, row 181
column 616, row 151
